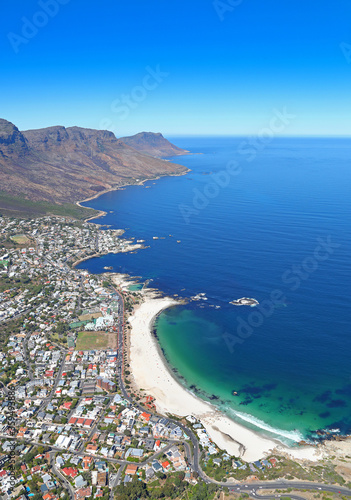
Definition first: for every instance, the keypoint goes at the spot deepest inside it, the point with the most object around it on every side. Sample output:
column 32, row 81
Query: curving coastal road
column 295, row 485
column 253, row 489
column 194, row 460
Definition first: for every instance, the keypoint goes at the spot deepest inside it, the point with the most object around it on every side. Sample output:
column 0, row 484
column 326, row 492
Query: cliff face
column 12, row 141
column 153, row 144
column 62, row 165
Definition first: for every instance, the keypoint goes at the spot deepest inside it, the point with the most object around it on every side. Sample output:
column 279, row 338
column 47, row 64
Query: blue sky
column 222, row 66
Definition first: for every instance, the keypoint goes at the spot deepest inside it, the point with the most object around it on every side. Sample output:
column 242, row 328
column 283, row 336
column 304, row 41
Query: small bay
column 270, row 222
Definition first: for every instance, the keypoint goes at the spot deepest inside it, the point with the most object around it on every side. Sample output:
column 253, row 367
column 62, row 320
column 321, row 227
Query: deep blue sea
column 271, row 223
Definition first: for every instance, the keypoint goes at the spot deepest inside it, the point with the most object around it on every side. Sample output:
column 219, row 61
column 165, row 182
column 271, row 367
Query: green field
column 87, row 341
column 14, row 206
column 21, row 239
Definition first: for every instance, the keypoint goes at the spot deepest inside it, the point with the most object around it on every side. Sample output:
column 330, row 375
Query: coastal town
column 73, row 424
column 175, row 250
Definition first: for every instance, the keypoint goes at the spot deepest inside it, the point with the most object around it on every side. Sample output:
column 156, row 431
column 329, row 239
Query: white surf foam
column 294, row 435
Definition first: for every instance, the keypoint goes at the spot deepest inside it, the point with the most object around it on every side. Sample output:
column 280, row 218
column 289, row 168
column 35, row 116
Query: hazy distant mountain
column 153, row 144
column 59, row 164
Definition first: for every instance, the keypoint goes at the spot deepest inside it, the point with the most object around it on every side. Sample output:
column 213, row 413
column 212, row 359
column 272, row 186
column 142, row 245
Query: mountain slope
column 153, row 144
column 64, row 165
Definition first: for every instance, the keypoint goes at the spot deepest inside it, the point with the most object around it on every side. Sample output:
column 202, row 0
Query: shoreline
column 102, row 213
column 102, row 254
column 145, row 358
column 172, row 398
column 83, row 259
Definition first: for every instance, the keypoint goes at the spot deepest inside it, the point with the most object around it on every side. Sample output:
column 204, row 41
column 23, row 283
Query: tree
column 169, row 490
column 161, row 475
column 61, row 328
column 132, row 491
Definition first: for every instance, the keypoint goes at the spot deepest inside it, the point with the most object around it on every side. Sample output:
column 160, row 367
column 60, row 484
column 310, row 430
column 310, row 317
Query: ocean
column 265, row 221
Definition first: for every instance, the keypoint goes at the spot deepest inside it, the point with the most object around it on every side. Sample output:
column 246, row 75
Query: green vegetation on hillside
column 14, row 206
column 169, row 487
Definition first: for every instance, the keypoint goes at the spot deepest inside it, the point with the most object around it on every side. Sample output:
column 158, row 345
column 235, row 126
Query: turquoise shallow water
column 278, row 231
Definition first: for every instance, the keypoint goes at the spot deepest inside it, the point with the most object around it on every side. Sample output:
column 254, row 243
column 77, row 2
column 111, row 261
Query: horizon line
column 214, row 134
column 295, row 136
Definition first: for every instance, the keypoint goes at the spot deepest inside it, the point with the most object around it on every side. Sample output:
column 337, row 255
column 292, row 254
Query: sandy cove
column 151, row 374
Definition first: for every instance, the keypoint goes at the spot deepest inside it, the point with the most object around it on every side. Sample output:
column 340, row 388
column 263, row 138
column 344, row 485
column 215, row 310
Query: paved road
column 118, row 478
column 116, row 481
column 251, row 488
column 26, row 356
column 4, row 387
column 97, row 423
column 194, row 460
column 79, row 453
column 58, row 474
column 57, row 379
column 274, row 497
column 280, row 495
column 193, row 456
column 15, row 316
column 254, row 488
column 254, row 494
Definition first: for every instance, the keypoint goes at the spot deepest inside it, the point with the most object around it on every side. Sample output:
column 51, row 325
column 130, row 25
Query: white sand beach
column 151, row 374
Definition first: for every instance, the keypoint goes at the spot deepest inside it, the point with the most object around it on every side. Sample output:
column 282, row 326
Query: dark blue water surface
column 273, row 225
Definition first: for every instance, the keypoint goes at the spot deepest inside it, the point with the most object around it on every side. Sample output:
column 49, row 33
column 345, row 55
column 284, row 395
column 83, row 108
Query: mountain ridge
column 65, row 165
column 153, row 144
